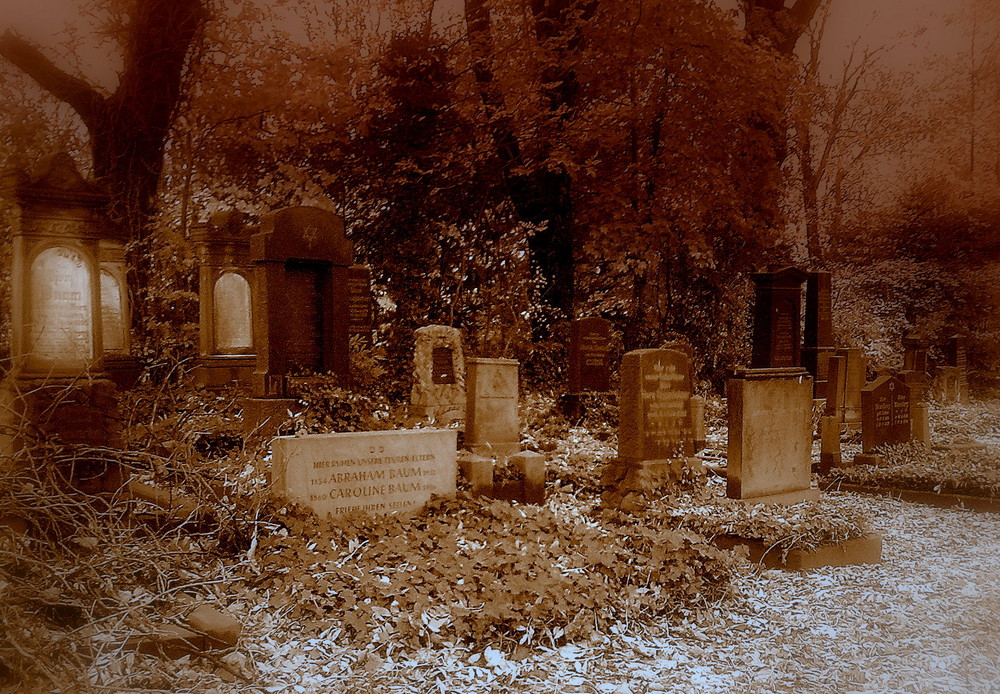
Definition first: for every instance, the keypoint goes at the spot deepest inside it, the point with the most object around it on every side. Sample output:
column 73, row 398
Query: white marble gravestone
column 370, row 471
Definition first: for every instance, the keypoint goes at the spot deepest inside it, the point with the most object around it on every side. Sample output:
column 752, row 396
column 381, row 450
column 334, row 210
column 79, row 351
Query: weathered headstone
column 817, row 337
column 373, row 471
column 301, row 306
column 225, row 277
column 855, row 366
column 777, row 335
column 656, row 429
column 885, row 420
column 491, row 420
column 359, row 302
column 56, row 384
column 589, row 355
column 770, row 435
column 438, row 374
column 655, row 407
column 951, row 379
column 915, row 347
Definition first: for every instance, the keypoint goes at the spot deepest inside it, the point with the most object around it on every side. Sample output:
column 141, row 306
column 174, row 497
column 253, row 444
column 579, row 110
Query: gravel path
column 926, row 619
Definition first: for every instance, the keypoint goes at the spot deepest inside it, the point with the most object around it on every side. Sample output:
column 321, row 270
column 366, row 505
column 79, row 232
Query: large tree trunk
column 542, row 196
column 128, row 129
column 777, row 28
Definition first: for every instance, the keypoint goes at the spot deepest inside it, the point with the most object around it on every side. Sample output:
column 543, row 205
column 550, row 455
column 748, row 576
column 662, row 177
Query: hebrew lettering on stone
column 61, row 325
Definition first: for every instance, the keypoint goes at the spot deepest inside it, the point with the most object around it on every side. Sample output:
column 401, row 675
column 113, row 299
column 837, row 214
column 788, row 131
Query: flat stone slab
column 366, row 471
column 973, row 503
column 858, row 550
column 783, row 499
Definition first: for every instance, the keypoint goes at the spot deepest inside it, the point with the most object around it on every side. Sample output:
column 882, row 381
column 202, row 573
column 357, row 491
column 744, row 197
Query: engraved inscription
column 442, row 366
column 61, row 326
column 113, row 327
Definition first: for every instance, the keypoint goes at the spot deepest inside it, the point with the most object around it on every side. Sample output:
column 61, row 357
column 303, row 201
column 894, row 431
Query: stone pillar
column 818, row 335
column 56, row 387
column 770, row 435
column 531, row 465
column 699, row 436
column 855, row 365
column 225, row 278
column 829, row 435
column 491, row 419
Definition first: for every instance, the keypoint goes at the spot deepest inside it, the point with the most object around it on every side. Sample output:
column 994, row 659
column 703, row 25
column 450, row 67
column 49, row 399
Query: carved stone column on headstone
column 225, row 277
column 56, row 382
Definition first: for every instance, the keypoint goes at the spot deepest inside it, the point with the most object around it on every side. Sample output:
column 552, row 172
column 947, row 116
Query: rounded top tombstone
column 302, row 233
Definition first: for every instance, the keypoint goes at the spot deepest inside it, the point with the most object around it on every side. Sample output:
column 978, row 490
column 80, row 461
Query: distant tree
column 128, row 129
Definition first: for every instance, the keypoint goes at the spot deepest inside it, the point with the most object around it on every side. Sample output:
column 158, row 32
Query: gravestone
column 656, row 429
column 590, row 355
column 836, row 387
column 374, row 472
column 359, row 302
column 770, row 436
column 777, row 339
column 855, row 367
column 438, row 374
column 914, row 374
column 951, row 379
column 491, row 420
column 655, row 406
column 225, row 277
column 817, row 338
column 56, row 383
column 304, row 280
column 885, row 420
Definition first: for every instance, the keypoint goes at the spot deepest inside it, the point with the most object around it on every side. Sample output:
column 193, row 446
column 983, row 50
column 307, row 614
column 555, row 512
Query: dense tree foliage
column 504, row 165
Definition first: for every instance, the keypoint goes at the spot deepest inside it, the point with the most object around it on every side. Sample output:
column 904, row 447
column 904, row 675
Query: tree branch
column 73, row 90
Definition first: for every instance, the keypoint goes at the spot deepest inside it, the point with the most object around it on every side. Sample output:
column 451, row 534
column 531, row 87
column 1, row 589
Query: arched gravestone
column 307, row 293
column 225, row 278
column 67, row 309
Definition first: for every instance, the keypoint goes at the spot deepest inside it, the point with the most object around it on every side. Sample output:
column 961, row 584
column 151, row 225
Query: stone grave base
column 79, row 411
column 784, row 498
column 263, row 417
column 866, row 459
column 859, row 550
column 974, row 503
column 632, row 484
column 123, row 370
column 219, row 371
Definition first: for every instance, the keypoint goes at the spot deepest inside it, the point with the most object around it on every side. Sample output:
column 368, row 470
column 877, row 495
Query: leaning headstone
column 370, row 471
column 225, row 276
column 56, row 386
column 885, row 421
column 777, row 335
column 656, row 428
column 438, row 374
column 817, row 338
column 491, row 420
column 770, row 436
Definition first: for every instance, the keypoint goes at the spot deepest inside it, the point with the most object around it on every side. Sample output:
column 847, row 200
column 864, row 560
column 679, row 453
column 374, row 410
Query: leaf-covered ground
column 964, row 457
column 925, row 620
